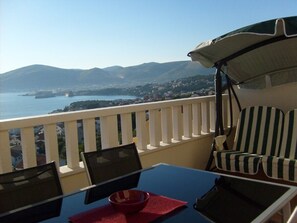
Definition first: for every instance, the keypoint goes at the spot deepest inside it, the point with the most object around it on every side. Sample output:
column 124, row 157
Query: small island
column 200, row 85
column 44, row 94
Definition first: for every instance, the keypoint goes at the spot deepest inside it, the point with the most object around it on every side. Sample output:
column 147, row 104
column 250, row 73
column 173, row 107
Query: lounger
column 284, row 166
column 258, row 133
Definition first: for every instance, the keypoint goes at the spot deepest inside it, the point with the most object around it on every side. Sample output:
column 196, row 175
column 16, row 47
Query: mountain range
column 42, row 77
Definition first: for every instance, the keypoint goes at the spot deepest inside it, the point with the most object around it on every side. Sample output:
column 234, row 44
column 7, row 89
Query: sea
column 15, row 105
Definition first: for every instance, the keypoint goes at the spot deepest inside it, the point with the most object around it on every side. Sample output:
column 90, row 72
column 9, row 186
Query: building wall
column 193, row 153
column 283, row 96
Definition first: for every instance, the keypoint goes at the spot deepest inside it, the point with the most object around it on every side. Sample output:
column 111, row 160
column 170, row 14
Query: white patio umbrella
column 252, row 51
column 262, row 49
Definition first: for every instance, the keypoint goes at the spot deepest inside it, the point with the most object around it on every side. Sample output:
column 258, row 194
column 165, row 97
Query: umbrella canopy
column 265, row 48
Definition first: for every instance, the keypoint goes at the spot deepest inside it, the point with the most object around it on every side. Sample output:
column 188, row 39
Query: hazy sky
column 102, row 33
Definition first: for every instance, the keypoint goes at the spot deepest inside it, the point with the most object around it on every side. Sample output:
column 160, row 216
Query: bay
column 14, row 105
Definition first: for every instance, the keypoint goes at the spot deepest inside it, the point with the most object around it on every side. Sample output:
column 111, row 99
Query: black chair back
column 110, row 163
column 29, row 186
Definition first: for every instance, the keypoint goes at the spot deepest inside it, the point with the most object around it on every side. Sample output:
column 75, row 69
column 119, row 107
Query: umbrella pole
column 219, row 129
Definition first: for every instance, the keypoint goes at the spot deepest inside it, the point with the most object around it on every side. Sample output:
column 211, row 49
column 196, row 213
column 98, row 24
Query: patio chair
column 28, row 186
column 284, row 165
column 110, row 163
column 258, row 133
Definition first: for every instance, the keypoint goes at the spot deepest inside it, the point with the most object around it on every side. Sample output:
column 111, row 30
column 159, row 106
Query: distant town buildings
column 188, row 87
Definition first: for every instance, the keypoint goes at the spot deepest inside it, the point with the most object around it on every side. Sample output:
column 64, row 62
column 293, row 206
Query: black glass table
column 211, row 197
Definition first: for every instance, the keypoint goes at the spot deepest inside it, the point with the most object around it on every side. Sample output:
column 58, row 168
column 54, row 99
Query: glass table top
column 210, row 196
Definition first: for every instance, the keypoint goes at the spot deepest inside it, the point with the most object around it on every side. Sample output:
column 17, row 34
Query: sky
column 85, row 34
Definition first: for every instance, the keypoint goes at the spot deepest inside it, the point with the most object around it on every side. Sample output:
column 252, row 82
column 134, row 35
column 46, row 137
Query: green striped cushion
column 258, row 133
column 284, row 166
column 259, row 130
column 289, row 143
column 236, row 161
column 280, row 168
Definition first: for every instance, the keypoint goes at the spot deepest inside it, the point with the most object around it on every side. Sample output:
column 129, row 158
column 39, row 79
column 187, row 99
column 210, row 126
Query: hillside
column 41, row 77
column 199, row 85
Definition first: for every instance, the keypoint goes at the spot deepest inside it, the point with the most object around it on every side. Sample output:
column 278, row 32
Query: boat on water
column 69, row 94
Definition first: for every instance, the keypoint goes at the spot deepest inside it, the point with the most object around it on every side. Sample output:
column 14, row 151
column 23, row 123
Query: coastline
column 17, row 104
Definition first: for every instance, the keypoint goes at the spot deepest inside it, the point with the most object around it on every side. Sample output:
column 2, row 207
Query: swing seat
column 258, row 134
column 284, row 166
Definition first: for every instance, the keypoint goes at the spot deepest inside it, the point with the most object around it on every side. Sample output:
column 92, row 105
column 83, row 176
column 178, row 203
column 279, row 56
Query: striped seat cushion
column 284, row 166
column 236, row 161
column 259, row 130
column 280, row 168
column 258, row 133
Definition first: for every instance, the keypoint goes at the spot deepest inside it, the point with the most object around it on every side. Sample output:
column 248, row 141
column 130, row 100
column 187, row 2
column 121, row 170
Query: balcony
column 178, row 132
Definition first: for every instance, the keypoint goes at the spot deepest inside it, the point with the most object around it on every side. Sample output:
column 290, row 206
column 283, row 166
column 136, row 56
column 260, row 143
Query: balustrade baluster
column 28, row 147
column 155, row 127
column 89, row 134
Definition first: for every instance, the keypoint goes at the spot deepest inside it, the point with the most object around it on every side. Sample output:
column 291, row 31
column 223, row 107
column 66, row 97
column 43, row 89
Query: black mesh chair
column 110, row 163
column 29, row 186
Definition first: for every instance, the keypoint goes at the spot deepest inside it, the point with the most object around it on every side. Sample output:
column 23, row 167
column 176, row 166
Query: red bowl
column 129, row 201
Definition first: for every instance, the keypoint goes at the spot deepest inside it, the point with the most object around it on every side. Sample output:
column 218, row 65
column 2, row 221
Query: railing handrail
column 6, row 124
column 170, row 121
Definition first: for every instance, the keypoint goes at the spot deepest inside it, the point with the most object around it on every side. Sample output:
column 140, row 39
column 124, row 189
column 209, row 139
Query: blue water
column 14, row 105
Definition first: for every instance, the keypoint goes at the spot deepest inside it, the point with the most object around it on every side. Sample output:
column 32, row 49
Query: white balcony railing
column 158, row 124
